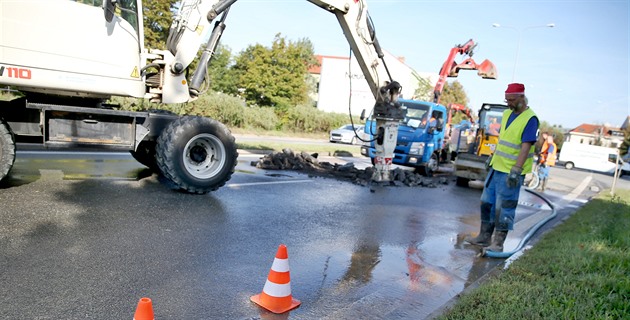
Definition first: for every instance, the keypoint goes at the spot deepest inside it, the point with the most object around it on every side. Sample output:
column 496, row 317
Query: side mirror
column 362, row 115
column 109, row 6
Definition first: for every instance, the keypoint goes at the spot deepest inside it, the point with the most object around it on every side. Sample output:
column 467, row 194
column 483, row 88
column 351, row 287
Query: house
column 340, row 83
column 599, row 135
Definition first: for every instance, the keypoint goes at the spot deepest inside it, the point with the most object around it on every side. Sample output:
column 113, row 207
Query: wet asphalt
column 86, row 235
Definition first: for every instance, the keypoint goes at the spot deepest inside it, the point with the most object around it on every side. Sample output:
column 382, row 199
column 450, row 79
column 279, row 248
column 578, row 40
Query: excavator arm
column 188, row 32
column 450, row 68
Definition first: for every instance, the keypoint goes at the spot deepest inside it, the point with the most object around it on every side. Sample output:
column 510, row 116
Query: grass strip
column 579, row 270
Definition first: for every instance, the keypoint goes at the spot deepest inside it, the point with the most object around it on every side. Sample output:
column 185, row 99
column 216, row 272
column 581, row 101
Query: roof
column 593, row 129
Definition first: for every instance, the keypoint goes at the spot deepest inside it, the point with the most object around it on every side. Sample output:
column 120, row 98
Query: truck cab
column 420, row 137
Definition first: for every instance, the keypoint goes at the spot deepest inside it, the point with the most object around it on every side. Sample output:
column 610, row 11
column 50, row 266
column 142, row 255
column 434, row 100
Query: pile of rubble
column 308, row 163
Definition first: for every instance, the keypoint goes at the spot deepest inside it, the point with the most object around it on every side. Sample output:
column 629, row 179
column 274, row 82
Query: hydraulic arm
column 450, row 68
column 186, row 37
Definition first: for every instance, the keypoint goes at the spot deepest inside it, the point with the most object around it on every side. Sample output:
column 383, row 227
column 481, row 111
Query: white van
column 588, row 157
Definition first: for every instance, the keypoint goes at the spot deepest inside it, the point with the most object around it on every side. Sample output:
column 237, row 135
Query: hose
column 530, row 233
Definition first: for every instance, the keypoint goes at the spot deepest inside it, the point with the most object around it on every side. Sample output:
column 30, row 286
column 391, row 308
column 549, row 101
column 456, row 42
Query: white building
column 341, row 84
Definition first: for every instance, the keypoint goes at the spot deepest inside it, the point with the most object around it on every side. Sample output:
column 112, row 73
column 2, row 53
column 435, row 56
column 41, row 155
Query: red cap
column 515, row 88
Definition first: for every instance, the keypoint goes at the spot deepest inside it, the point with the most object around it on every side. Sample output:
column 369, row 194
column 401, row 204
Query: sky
column 576, row 72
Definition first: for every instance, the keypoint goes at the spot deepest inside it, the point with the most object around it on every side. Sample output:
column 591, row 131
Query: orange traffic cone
column 276, row 295
column 144, row 311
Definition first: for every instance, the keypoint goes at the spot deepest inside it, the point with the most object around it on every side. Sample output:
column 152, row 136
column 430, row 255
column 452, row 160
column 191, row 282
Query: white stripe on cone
column 280, row 265
column 277, row 290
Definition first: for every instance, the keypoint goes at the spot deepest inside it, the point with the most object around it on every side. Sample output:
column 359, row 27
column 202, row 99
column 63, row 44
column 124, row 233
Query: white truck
column 589, row 157
column 67, row 58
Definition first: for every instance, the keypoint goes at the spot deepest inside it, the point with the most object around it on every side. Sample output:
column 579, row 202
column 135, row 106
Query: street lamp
column 518, row 43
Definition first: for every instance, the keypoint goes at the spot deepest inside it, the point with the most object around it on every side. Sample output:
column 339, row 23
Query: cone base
column 294, row 304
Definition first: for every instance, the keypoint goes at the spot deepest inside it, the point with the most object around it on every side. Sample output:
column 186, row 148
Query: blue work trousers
column 498, row 201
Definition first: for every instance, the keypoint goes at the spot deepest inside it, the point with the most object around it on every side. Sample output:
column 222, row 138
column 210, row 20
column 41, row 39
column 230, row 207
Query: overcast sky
column 574, row 73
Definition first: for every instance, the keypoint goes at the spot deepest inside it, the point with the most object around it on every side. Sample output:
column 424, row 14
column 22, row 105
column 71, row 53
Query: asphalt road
column 86, row 235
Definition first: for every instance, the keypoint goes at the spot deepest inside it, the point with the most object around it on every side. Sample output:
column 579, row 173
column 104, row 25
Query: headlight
column 417, row 148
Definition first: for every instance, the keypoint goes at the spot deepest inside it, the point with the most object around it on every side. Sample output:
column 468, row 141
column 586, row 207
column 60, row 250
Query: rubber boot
column 485, row 234
column 497, row 241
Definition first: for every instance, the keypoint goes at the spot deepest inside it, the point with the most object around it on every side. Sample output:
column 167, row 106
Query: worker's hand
column 514, row 177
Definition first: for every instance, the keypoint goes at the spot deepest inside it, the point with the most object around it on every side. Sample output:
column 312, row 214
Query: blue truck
column 420, row 142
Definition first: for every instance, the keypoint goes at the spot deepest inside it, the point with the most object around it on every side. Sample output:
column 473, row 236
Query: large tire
column 145, row 154
column 7, row 149
column 432, row 166
column 196, row 154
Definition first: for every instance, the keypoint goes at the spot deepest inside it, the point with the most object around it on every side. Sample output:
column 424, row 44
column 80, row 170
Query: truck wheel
column 145, row 154
column 568, row 165
column 196, row 154
column 462, row 182
column 431, row 166
column 7, row 149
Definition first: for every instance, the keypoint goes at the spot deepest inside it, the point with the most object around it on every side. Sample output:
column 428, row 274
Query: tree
column 158, row 15
column 555, row 131
column 222, row 78
column 625, row 145
column 276, row 76
column 424, row 89
column 454, row 93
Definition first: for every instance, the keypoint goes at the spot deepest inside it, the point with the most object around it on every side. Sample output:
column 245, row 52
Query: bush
column 309, row 119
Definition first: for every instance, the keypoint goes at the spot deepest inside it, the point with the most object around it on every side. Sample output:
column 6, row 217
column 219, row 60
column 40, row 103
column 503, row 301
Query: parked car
column 346, row 134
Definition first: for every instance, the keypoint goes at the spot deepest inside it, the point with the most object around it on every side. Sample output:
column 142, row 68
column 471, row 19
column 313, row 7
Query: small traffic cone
column 144, row 311
column 276, row 295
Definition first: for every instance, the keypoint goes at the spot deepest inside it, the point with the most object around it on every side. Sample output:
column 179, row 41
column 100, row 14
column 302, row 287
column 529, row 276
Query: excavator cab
column 487, row 137
column 470, row 163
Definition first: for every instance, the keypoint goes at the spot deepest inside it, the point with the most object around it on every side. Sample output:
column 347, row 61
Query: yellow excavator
column 474, row 149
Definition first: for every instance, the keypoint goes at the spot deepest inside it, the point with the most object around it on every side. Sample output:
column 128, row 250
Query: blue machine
column 420, row 141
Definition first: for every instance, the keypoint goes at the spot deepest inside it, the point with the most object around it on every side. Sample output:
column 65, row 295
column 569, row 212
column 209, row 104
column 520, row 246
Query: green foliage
column 453, row 93
column 625, row 145
column 222, row 78
column 305, row 118
column 275, row 76
column 577, row 271
column 260, row 118
column 555, row 131
column 157, row 21
column 424, row 89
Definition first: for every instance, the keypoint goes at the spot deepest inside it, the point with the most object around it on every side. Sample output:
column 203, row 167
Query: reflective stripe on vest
column 510, row 140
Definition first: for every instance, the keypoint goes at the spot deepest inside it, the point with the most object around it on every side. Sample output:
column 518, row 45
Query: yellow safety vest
column 510, row 140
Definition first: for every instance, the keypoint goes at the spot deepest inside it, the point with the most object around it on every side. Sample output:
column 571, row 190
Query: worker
column 547, row 159
column 512, row 159
column 542, row 146
column 494, row 126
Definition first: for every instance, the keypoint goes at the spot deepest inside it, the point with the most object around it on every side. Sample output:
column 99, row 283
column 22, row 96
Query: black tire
column 145, row 154
column 7, row 149
column 431, row 166
column 462, row 182
column 569, row 165
column 196, row 154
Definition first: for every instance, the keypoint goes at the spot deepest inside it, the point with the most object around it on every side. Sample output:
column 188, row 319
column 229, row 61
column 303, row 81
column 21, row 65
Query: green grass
column 579, row 270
